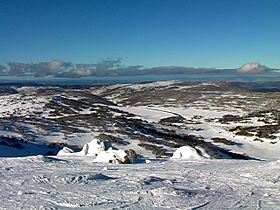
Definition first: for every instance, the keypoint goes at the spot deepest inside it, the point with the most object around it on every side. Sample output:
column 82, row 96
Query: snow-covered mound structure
column 96, row 146
column 113, row 156
column 65, row 151
column 186, row 153
column 92, row 148
column 103, row 152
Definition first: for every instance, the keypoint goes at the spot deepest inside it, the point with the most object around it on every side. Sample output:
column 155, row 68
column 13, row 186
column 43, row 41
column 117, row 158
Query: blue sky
column 197, row 33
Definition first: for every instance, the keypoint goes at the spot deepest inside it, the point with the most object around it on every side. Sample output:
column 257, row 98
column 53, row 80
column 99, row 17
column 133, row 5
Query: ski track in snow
column 78, row 183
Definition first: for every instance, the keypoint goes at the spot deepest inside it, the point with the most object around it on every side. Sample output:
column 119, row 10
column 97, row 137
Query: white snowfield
column 145, row 113
column 78, row 183
column 156, row 113
column 18, row 105
column 261, row 150
column 92, row 178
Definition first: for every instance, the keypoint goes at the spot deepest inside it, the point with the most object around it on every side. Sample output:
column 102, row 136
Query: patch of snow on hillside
column 190, row 112
column 145, row 113
column 155, row 113
column 198, row 85
column 18, row 105
column 157, row 84
column 264, row 150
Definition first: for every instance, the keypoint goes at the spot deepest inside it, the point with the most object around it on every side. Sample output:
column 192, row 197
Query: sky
column 193, row 33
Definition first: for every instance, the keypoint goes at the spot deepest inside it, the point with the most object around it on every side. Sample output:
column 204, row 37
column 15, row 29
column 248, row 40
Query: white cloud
column 56, row 64
column 252, row 68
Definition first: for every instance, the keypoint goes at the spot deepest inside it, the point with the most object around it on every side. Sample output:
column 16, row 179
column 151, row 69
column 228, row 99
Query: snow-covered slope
column 48, row 183
column 154, row 119
column 204, row 120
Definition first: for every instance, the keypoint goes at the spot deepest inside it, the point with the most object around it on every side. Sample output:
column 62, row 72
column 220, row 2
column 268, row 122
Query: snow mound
column 96, row 146
column 92, row 148
column 113, row 156
column 65, row 151
column 103, row 152
column 186, row 153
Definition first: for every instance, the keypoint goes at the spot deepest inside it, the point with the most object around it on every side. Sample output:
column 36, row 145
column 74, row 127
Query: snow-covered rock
column 92, row 148
column 203, row 152
column 65, row 151
column 84, row 151
column 186, row 153
column 113, row 156
column 96, row 146
column 103, row 152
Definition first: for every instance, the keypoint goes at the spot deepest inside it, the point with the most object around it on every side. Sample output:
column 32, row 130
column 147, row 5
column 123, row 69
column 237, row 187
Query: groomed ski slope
column 78, row 183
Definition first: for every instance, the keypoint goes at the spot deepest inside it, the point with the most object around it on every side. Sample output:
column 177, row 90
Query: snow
column 156, row 113
column 190, row 112
column 157, row 84
column 184, row 87
column 65, row 151
column 101, row 151
column 244, row 144
column 18, row 105
column 137, row 86
column 266, row 150
column 103, row 89
column 92, row 148
column 96, row 146
column 145, row 113
column 186, row 153
column 112, row 156
column 134, row 145
column 74, row 183
column 92, row 178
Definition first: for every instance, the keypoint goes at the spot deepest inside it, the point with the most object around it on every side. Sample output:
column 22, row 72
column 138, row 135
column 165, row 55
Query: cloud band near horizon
column 111, row 67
